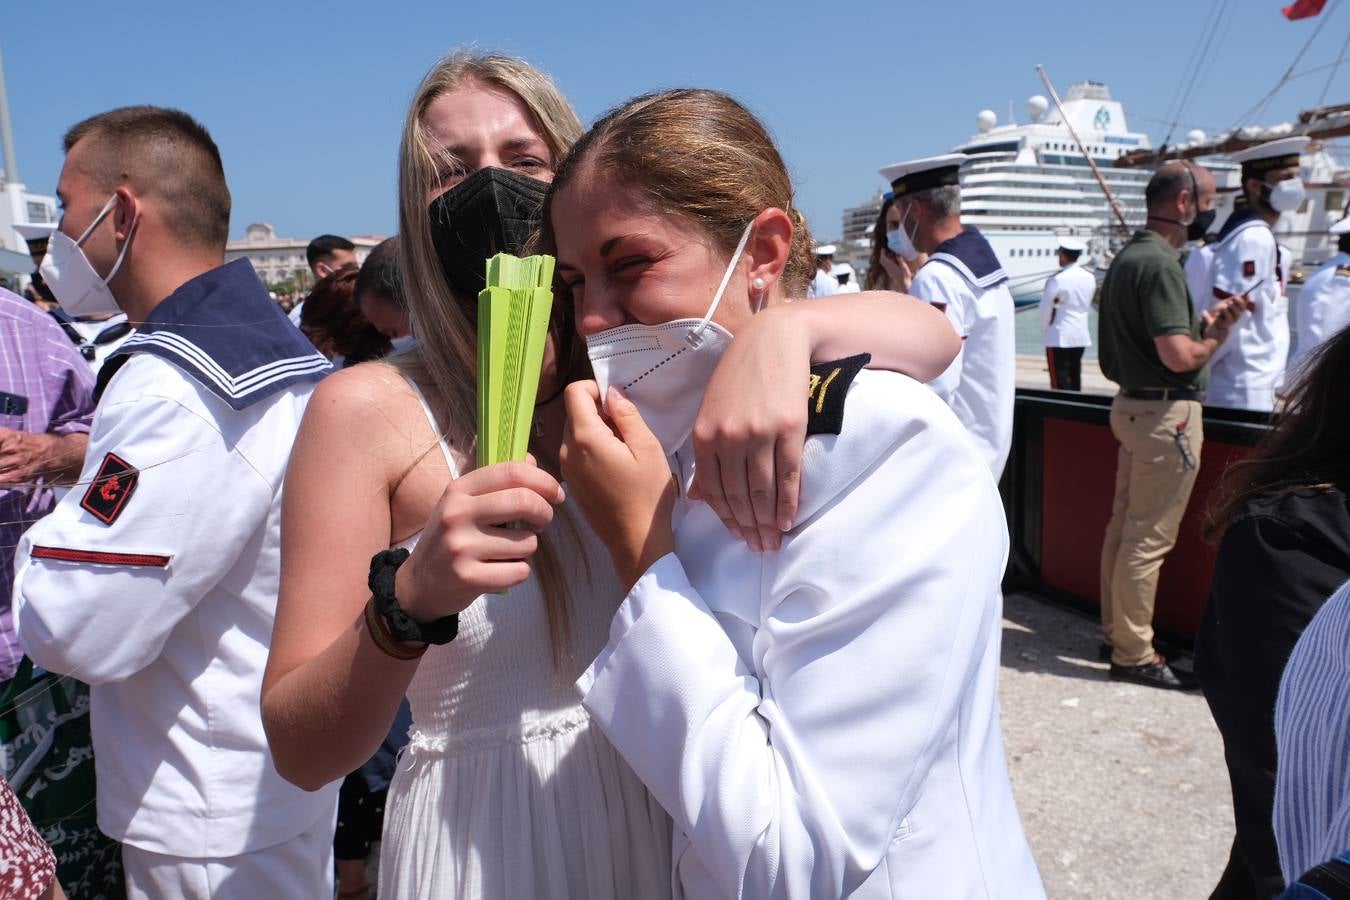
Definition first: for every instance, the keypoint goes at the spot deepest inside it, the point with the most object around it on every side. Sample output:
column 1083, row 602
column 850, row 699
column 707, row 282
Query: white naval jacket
column 823, row 721
column 1248, row 368
column 156, row 581
column 1065, row 303
column 1323, row 305
column 964, row 279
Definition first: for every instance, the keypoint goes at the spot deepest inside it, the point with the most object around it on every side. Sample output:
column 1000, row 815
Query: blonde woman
column 506, row 790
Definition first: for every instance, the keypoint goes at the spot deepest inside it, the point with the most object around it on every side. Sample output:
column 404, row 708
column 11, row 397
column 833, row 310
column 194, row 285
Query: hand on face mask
column 619, row 477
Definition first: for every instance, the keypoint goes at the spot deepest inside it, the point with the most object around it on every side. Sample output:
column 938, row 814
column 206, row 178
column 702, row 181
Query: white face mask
column 664, row 368
column 77, row 287
column 1286, row 196
column 900, row 242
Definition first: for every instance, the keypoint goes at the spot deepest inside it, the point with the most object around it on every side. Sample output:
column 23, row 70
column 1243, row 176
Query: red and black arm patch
column 1249, row 268
column 111, row 489
column 829, row 388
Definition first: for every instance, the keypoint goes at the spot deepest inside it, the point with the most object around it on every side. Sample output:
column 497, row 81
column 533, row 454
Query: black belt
column 1162, row 394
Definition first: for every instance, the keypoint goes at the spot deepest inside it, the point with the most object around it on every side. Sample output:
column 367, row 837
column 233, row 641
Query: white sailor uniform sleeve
column 794, row 780
column 1048, row 296
column 941, row 286
column 162, row 511
column 1199, row 278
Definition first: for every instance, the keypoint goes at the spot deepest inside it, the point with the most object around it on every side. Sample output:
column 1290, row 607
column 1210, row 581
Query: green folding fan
column 513, row 316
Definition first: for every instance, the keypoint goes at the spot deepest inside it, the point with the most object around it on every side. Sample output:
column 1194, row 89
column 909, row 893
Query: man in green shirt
column 1155, row 346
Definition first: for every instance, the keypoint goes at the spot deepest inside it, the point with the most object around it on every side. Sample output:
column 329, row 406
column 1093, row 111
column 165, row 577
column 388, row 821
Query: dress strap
column 435, row 428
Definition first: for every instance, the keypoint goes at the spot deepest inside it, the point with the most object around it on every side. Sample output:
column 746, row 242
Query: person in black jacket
column 1285, row 549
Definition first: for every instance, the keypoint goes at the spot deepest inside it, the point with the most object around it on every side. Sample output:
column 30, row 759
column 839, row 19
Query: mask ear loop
column 695, row 337
column 107, row 207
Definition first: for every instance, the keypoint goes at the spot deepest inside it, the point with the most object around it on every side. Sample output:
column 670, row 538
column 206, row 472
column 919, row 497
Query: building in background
column 280, row 261
column 858, row 220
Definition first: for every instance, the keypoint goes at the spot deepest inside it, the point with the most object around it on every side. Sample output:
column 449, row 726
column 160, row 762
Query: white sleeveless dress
column 506, row 790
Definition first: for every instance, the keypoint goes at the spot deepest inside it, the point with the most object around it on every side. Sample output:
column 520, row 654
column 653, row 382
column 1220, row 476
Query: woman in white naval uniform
column 821, row 721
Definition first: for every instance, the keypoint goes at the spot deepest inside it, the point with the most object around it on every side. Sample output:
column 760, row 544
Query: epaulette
column 1343, row 271
column 829, row 388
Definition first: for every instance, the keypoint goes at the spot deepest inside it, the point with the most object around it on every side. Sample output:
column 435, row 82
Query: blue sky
column 306, row 100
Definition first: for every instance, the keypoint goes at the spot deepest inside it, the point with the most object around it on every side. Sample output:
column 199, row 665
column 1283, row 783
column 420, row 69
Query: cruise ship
column 1029, row 184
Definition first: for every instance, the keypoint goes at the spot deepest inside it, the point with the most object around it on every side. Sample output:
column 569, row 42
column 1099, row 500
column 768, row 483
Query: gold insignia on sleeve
column 827, row 392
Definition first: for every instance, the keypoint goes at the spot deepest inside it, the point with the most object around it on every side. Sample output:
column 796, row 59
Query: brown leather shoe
column 1156, row 674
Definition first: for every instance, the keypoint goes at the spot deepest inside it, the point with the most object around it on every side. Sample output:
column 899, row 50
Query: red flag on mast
column 1304, row 9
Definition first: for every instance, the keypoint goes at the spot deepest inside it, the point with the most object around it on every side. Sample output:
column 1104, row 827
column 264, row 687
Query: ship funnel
column 986, row 120
column 1036, row 107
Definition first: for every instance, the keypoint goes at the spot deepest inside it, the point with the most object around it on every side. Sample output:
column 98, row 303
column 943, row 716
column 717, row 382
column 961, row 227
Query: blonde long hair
column 445, row 356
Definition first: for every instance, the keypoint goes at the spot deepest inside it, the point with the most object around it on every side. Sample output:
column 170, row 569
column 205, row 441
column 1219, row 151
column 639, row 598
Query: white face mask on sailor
column 79, row 289
column 664, row 368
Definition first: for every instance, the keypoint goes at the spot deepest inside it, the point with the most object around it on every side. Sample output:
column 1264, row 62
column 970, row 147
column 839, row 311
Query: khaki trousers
column 1153, row 486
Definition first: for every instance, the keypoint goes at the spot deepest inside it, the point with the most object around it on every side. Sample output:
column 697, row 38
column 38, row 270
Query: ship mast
column 7, row 132
column 1110, row 197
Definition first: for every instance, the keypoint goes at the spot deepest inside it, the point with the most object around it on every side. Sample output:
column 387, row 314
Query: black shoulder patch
column 111, row 488
column 829, row 388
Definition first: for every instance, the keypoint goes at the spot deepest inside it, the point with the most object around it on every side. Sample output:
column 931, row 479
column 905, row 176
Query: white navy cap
column 841, row 269
column 1341, row 227
column 1072, row 244
column 825, row 249
column 1271, row 155
column 35, row 232
column 922, row 174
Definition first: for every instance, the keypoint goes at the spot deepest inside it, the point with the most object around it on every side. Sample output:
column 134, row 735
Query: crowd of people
column 278, row 615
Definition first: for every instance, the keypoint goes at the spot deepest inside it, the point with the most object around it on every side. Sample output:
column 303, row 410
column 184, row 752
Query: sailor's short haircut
column 163, row 154
column 324, row 246
column 945, row 201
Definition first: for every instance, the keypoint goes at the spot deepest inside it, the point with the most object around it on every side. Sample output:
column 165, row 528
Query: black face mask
column 1197, row 230
column 492, row 211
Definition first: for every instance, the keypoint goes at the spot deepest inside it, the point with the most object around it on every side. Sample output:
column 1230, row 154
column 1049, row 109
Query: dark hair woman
column 1285, row 549
column 333, row 322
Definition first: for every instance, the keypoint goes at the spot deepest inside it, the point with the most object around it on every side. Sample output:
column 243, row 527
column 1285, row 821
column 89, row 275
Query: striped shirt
column 1312, row 732
column 39, row 363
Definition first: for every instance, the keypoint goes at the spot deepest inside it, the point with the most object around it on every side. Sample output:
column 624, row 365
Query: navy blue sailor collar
column 225, row 332
column 1239, row 217
column 970, row 254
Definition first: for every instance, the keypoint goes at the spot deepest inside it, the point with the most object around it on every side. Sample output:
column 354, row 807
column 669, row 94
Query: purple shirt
column 37, row 361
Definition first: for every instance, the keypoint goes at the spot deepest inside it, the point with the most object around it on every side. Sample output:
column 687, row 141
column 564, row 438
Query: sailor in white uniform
column 824, row 284
column 965, row 279
column 1324, row 300
column 1248, row 369
column 155, row 581
column 847, row 278
column 1065, row 303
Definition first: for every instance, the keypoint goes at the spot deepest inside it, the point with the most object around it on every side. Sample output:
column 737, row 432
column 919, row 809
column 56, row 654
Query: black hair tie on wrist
column 383, row 567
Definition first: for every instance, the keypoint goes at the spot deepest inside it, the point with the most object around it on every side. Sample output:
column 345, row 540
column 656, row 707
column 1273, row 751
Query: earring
column 759, row 284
